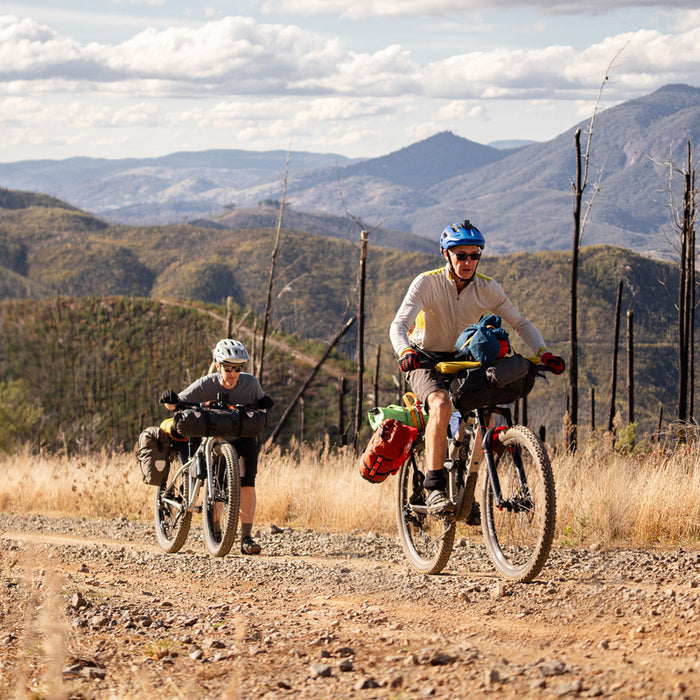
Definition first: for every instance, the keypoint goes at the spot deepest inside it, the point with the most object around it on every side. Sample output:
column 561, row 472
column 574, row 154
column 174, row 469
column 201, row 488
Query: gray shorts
column 424, row 382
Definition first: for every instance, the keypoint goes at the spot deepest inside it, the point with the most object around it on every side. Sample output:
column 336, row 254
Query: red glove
column 408, row 361
column 555, row 363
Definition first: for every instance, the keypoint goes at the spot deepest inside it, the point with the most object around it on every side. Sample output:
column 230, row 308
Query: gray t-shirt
column 247, row 390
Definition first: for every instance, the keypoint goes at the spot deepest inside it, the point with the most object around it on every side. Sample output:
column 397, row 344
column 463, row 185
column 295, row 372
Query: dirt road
column 93, row 609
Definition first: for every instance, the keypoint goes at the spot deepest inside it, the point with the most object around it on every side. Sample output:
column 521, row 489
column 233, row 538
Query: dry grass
column 602, row 496
column 647, row 499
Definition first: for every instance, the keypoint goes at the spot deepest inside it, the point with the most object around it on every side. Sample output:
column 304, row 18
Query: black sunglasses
column 464, row 256
column 232, row 368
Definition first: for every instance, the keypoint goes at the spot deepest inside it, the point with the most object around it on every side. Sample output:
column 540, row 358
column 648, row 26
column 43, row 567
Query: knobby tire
column 172, row 518
column 222, row 505
column 427, row 540
column 519, row 539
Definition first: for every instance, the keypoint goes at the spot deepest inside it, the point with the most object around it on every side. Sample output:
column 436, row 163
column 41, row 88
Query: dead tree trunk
column 630, row 366
column 302, row 420
column 685, row 224
column 616, row 342
column 307, row 381
column 360, row 340
column 342, row 390
column 682, row 314
column 273, row 256
column 376, row 375
column 572, row 437
column 229, row 317
column 688, row 236
column 571, row 434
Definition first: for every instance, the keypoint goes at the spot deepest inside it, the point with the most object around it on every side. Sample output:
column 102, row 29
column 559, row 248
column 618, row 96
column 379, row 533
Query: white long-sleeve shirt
column 435, row 313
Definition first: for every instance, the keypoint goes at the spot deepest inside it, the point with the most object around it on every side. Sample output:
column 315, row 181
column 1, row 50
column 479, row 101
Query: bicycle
column 213, row 469
column 518, row 500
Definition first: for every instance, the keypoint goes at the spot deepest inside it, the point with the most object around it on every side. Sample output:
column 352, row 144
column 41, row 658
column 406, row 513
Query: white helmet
column 228, row 350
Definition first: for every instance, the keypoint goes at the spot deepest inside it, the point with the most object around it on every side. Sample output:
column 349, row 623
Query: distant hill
column 427, row 162
column 520, row 197
column 325, row 225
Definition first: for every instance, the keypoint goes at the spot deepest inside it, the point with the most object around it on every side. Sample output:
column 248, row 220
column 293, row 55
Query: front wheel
column 172, row 517
column 519, row 534
column 222, row 503
column 426, row 539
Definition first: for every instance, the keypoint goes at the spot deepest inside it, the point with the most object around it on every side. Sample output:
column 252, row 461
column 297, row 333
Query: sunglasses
column 232, row 368
column 464, row 256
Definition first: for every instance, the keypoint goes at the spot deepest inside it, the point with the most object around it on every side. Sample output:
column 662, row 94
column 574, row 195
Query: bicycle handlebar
column 218, row 404
column 425, row 362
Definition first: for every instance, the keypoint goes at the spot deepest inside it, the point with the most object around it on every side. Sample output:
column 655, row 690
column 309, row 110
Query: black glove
column 265, row 402
column 555, row 364
column 408, row 361
column 169, row 396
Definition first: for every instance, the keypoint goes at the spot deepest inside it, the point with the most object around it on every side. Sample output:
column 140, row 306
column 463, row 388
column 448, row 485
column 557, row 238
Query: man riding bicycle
column 438, row 306
column 242, row 388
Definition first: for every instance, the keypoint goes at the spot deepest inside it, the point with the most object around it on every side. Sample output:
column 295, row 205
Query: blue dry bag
column 483, row 342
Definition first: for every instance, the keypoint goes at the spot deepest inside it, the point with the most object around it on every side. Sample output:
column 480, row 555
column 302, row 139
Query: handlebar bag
column 479, row 387
column 152, row 453
column 387, row 450
column 213, row 422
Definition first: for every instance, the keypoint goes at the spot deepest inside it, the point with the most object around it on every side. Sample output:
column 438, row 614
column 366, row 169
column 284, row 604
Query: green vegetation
column 85, row 325
column 78, row 373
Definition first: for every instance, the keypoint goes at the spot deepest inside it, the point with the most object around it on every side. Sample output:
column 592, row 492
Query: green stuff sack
column 412, row 413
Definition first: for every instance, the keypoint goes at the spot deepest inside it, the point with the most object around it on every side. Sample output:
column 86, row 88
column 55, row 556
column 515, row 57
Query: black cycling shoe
column 249, row 546
column 438, row 503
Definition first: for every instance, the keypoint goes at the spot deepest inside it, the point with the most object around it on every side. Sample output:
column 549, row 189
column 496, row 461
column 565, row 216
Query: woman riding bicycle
column 242, row 388
column 438, row 306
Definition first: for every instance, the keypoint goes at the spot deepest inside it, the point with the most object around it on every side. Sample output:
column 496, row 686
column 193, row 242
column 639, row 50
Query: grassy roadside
column 603, row 497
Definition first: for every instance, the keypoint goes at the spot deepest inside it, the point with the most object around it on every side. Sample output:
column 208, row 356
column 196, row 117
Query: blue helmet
column 461, row 234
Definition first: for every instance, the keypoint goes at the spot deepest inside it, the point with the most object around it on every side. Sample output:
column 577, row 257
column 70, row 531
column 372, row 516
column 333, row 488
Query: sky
column 359, row 78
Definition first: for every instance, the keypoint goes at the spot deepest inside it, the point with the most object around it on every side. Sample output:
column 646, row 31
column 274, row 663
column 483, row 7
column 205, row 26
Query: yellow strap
column 412, row 403
column 454, row 366
column 410, row 399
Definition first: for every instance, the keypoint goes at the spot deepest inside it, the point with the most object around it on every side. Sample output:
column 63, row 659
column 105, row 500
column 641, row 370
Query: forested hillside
column 77, row 373
column 94, row 281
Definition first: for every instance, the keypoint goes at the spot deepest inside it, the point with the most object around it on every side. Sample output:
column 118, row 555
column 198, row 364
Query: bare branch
column 597, row 106
column 273, row 256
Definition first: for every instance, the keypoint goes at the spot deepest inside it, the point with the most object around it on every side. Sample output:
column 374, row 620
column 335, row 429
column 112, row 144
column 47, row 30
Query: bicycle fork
column 488, row 449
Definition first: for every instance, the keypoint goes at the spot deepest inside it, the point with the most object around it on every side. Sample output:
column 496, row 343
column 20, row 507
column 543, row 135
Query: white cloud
column 238, row 56
column 257, row 84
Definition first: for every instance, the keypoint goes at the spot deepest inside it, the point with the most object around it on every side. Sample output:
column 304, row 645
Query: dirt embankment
column 93, row 609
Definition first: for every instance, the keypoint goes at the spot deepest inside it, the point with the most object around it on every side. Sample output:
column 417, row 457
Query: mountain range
column 520, row 197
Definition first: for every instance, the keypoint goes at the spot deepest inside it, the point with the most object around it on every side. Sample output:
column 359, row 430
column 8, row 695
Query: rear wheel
column 519, row 535
column 427, row 540
column 172, row 519
column 222, row 503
